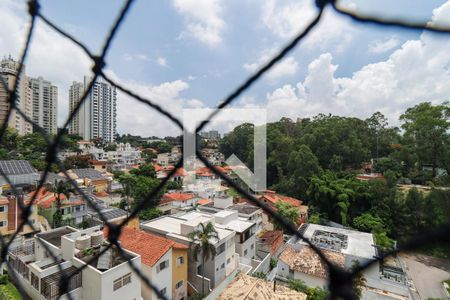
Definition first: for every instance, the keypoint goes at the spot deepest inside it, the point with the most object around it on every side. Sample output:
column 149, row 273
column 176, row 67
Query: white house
column 216, row 268
column 105, row 276
column 163, row 261
column 343, row 247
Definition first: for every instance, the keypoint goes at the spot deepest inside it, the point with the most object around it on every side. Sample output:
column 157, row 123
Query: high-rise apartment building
column 45, row 99
column 96, row 117
column 8, row 70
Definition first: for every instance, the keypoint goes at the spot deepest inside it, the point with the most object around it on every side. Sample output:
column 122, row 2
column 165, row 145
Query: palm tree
column 60, row 188
column 203, row 239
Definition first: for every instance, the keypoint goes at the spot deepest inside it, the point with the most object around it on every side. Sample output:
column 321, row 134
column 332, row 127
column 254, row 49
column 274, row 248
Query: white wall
column 240, row 248
column 163, row 279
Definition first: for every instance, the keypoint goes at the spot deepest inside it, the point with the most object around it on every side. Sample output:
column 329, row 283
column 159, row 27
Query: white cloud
column 203, row 20
column 381, row 46
column 288, row 17
column 138, row 118
column 162, row 61
column 418, row 71
column 139, row 56
column 286, row 67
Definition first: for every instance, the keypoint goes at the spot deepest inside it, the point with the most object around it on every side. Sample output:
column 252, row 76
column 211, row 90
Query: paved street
column 427, row 274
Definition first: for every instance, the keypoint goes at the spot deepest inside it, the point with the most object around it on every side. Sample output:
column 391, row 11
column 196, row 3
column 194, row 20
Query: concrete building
column 164, row 262
column 172, row 203
column 123, row 158
column 19, row 172
column 109, row 276
column 216, row 268
column 8, row 70
column 73, row 210
column 45, row 103
column 96, row 117
column 343, row 247
column 11, row 216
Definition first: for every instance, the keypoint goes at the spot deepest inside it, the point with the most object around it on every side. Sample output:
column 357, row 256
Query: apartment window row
column 122, row 281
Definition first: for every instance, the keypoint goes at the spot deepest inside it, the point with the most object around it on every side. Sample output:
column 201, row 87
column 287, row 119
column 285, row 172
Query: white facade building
column 96, row 117
column 8, row 70
column 343, row 247
column 108, row 277
column 216, row 268
column 45, row 100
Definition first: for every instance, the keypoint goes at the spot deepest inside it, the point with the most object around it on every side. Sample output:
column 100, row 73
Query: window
column 120, row 282
column 126, row 279
column 180, row 260
column 252, row 246
column 34, row 281
column 2, row 208
column 222, row 266
column 179, row 284
column 163, row 291
column 3, row 223
column 117, row 284
column 163, row 265
column 220, row 249
column 228, row 261
column 245, row 252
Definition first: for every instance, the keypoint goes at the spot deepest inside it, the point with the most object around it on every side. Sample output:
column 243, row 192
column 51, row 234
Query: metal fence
column 340, row 280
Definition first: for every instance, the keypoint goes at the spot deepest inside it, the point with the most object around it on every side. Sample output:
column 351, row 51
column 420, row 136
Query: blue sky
column 192, row 53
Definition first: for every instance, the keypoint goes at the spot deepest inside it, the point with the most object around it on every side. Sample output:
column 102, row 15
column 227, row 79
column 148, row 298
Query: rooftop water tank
column 83, row 242
column 97, row 238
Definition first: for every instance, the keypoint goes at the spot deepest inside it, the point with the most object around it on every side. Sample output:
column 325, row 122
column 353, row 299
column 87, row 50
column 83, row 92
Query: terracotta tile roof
column 245, row 287
column 203, row 201
column 308, row 262
column 97, row 163
column 180, row 172
column 102, row 194
column 270, row 236
column 157, row 167
column 274, row 198
column 149, row 246
column 177, row 197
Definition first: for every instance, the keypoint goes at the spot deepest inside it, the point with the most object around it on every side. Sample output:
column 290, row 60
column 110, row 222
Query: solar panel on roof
column 16, row 167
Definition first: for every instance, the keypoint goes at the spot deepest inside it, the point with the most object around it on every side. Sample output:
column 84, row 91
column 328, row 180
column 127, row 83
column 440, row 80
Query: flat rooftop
column 172, row 225
column 349, row 242
column 244, row 209
column 54, row 236
column 237, row 225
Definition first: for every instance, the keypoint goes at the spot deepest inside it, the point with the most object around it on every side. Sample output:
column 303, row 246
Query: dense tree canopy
column 316, row 160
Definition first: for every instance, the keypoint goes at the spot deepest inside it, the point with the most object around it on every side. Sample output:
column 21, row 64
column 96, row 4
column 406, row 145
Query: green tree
column 288, row 212
column 428, row 127
column 144, row 170
column 142, row 188
column 150, row 213
column 297, row 285
column 202, row 243
column 301, row 166
column 60, row 188
column 127, row 181
column 358, row 282
column 373, row 224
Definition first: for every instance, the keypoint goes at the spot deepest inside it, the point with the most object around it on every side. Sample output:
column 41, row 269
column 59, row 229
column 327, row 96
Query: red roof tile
column 177, row 197
column 203, row 201
column 149, row 246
